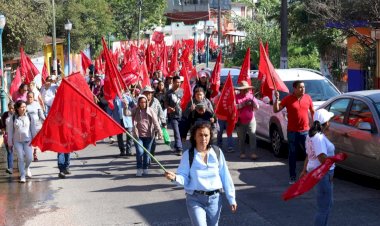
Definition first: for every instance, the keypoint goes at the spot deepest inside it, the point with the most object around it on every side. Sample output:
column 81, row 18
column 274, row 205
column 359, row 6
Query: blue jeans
column 222, row 127
column 142, row 158
column 63, row 161
column 324, row 199
column 250, row 129
column 204, row 210
column 296, row 140
column 9, row 157
column 177, row 135
column 24, row 155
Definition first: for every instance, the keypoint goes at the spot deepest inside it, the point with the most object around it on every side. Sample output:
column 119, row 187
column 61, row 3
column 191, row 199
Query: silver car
column 355, row 130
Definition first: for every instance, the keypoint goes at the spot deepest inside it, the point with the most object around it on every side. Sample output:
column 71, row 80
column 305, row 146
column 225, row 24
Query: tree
column 90, row 22
column 126, row 15
column 26, row 25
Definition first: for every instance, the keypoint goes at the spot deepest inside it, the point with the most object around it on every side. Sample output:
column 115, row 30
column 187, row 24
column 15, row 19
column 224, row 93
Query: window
column 339, row 108
column 359, row 112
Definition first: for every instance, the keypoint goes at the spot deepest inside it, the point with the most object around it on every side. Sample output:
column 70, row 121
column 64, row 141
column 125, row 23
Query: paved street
column 103, row 190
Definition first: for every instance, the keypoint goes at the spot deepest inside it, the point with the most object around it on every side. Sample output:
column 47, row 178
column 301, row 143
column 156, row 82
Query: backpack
column 191, row 154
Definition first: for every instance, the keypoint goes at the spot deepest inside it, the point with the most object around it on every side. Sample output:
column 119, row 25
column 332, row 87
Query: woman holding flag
column 203, row 172
column 318, row 148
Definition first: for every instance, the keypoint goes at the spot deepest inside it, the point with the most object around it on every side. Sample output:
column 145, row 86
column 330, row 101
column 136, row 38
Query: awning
column 236, row 33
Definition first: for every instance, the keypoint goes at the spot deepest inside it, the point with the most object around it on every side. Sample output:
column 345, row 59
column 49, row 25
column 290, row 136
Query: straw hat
column 243, row 85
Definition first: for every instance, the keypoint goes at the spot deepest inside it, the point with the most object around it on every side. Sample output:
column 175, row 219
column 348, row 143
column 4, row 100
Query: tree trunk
column 284, row 34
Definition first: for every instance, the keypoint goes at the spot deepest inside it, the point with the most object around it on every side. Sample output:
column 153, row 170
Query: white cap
column 322, row 115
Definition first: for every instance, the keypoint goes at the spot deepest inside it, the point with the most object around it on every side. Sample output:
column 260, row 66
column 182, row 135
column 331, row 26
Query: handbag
column 166, row 136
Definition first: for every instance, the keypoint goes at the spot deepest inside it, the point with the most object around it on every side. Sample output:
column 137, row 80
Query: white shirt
column 48, row 95
column 316, row 145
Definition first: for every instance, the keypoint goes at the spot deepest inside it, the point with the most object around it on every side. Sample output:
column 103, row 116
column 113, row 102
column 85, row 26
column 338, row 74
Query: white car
column 272, row 127
column 234, row 74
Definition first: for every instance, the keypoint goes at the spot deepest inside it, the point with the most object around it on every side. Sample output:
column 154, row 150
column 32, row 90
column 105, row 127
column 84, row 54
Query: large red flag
column 272, row 80
column 186, row 89
column 78, row 81
column 226, row 108
column 245, row 68
column 311, row 179
column 74, row 122
column 163, row 65
column 16, row 82
column 131, row 67
column 112, row 80
column 44, row 74
column 86, row 62
column 215, row 76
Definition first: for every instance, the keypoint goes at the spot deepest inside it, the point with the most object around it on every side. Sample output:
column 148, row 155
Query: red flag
column 78, row 81
column 272, row 80
column 163, row 65
column 186, row 89
column 27, row 69
column 131, row 63
column 44, row 74
column 245, row 68
column 158, row 37
column 226, row 108
column 262, row 68
column 86, row 62
column 174, row 66
column 311, row 179
column 74, row 122
column 113, row 82
column 16, row 82
column 215, row 76
column 144, row 75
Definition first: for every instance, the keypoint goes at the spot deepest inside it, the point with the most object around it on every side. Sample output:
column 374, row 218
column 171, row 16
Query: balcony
column 175, row 7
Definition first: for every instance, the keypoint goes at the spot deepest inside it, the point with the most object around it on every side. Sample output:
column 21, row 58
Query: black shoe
column 122, row 153
column 179, row 153
column 62, row 175
column 9, row 171
column 129, row 154
column 67, row 171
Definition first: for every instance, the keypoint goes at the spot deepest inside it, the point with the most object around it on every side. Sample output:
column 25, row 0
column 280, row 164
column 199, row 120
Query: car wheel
column 276, row 141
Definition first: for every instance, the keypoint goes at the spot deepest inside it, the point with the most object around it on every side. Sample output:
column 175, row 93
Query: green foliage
column 26, row 25
column 126, row 14
column 90, row 22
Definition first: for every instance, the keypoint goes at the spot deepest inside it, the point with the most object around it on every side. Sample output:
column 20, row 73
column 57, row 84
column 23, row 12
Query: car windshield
column 319, row 90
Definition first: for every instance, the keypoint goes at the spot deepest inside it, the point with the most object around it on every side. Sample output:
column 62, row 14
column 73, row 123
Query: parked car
column 272, row 127
column 234, row 73
column 355, row 129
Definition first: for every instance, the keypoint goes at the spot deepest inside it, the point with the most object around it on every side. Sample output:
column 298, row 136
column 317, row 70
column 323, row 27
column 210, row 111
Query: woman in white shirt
column 21, row 129
column 35, row 111
column 203, row 176
column 318, row 148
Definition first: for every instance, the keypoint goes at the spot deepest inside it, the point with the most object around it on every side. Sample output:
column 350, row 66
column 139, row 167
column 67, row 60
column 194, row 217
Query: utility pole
column 54, row 42
column 284, row 34
column 140, row 5
column 219, row 22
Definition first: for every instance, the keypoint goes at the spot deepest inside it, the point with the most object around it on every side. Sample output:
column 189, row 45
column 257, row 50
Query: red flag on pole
column 16, row 82
column 158, row 37
column 74, row 122
column 215, row 76
column 186, row 89
column 226, row 108
column 112, row 80
column 44, row 74
column 78, row 81
column 86, row 62
column 311, row 179
column 272, row 80
column 163, row 66
column 245, row 68
column 144, row 75
column 174, row 66
column 27, row 69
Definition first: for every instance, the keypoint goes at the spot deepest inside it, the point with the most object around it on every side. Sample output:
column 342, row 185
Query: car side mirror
column 365, row 126
column 266, row 100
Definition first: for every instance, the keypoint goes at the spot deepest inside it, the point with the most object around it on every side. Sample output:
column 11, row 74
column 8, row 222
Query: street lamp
column 2, row 92
column 376, row 35
column 208, row 33
column 195, row 31
column 68, row 27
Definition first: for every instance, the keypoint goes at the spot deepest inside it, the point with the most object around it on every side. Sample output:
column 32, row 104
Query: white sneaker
column 139, row 173
column 28, row 173
column 145, row 171
column 22, row 180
